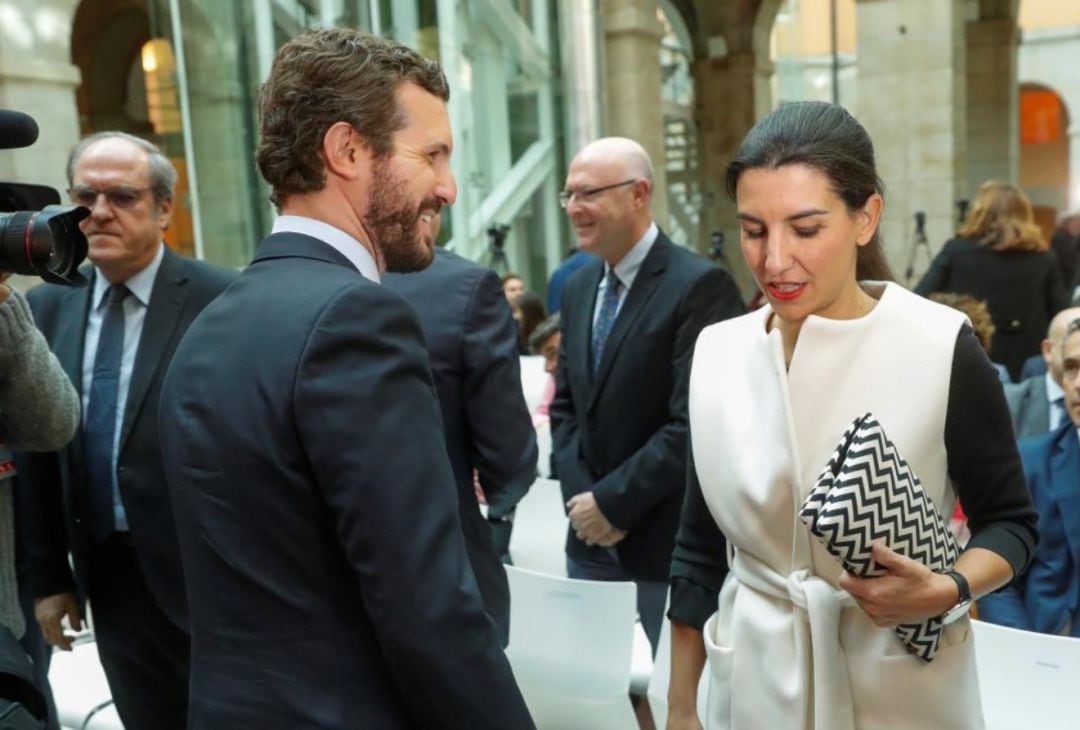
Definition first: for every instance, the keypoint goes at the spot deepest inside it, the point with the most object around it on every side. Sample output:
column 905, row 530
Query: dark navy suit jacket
column 472, row 343
column 54, row 484
column 317, row 514
column 1045, row 597
column 622, row 434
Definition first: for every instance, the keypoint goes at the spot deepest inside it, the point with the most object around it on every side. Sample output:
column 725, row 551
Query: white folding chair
column 661, row 677
column 538, row 540
column 570, row 649
column 82, row 694
column 1027, row 680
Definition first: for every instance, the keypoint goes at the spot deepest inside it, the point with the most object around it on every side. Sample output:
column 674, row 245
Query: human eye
column 752, row 232
column 122, row 197
column 83, row 195
column 807, row 231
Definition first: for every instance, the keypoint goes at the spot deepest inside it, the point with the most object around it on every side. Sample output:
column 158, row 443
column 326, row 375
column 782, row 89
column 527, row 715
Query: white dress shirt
column 336, row 238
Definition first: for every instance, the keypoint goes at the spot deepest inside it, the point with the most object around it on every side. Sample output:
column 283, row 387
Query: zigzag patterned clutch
column 867, row 492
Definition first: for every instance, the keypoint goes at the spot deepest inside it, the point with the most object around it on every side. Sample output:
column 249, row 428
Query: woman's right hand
column 683, row 720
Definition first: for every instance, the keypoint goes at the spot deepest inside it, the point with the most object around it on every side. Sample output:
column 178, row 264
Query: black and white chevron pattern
column 867, row 492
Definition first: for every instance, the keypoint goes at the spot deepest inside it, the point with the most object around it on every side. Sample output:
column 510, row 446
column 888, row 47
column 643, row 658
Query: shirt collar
column 629, row 265
column 1053, row 390
column 339, row 240
column 141, row 285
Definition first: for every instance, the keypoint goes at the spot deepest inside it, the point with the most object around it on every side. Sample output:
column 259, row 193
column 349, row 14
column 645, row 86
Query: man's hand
column 589, row 523
column 5, row 290
column 49, row 612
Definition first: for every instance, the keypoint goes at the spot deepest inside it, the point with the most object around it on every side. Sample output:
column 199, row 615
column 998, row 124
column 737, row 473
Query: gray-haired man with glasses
column 630, row 319
column 103, row 497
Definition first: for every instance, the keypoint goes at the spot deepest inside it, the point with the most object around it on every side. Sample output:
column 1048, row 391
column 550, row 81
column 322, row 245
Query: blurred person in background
column 1037, row 403
column 513, row 286
column 528, row 311
column 1044, row 598
column 1000, row 256
column 981, row 322
column 1065, row 243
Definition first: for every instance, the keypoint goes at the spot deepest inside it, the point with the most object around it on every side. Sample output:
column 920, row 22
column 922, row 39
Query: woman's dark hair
column 827, row 138
column 532, row 310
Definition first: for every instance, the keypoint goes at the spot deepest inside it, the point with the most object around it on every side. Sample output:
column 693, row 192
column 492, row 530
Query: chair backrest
column 538, row 540
column 573, row 637
column 1027, row 680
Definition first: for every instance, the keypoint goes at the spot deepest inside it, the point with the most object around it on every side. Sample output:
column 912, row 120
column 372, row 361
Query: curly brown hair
column 326, row 76
column 975, row 309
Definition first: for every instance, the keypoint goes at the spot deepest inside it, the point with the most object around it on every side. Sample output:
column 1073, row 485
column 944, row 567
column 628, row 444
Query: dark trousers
column 145, row 656
column 651, row 594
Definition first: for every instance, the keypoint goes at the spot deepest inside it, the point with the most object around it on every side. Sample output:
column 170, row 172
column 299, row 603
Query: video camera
column 38, row 236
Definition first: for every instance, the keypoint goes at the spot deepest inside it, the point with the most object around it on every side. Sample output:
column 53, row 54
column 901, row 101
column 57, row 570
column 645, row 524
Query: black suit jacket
column 317, row 514
column 472, row 344
column 1023, row 291
column 1028, row 406
column 622, row 434
column 57, row 481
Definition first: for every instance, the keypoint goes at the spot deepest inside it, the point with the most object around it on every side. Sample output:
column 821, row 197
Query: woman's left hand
column 909, row 592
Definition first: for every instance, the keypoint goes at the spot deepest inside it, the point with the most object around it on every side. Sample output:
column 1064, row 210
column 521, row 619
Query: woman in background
column 1000, row 256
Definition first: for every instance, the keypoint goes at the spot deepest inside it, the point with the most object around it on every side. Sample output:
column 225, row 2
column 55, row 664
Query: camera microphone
column 17, row 129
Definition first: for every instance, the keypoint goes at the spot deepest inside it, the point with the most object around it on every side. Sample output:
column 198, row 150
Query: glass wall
column 497, row 56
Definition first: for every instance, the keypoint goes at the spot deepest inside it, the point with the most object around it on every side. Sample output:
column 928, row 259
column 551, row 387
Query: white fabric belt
column 817, row 635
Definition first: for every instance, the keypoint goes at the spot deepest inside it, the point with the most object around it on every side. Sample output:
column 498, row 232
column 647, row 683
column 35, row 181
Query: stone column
column 911, row 92
column 730, row 94
column 993, row 145
column 634, row 107
column 38, row 78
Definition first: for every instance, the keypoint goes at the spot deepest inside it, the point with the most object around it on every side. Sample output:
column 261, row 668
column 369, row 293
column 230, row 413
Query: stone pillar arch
column 38, row 78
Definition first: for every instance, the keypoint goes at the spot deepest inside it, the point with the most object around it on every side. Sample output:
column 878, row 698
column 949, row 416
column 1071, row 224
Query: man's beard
column 394, row 222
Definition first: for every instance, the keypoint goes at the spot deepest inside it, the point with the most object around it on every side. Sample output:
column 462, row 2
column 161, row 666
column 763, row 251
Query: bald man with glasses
column 104, row 497
column 630, row 320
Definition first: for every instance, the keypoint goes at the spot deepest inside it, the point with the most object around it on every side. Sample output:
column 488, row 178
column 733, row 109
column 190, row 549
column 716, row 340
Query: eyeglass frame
column 587, row 194
column 136, row 194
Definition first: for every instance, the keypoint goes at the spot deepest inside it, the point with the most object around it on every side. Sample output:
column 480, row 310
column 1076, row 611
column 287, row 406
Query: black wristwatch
column 963, row 603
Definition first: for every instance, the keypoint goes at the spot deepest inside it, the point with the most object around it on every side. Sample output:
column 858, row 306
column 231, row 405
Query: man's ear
column 343, row 151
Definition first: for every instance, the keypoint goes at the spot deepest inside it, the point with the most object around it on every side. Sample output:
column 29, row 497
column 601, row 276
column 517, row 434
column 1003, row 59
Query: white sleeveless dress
column 787, row 649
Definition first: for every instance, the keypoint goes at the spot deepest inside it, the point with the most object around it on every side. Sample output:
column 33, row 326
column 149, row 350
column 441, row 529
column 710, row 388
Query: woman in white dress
column 794, row 641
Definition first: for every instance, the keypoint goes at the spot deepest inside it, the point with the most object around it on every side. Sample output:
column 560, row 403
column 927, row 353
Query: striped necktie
column 609, row 307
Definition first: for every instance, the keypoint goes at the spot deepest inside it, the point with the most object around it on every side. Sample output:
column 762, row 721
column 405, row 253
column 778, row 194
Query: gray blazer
column 1028, row 405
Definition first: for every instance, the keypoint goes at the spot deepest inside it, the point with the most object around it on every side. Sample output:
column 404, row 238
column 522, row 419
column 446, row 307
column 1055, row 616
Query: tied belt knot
column 817, row 634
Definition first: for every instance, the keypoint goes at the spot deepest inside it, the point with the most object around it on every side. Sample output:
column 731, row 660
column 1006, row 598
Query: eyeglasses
column 587, row 195
column 120, row 196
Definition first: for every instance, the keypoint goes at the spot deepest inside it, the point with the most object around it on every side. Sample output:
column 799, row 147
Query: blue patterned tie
column 606, row 318
column 99, row 433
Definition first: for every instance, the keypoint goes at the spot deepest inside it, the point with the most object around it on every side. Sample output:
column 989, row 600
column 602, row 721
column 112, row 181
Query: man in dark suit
column 1037, row 404
column 472, row 343
column 328, row 577
column 630, row 319
column 115, row 338
column 1046, row 597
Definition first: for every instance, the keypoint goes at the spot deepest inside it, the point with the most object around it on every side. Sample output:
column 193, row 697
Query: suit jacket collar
column 1035, row 418
column 162, row 315
column 1065, row 482
column 645, row 285
column 297, row 245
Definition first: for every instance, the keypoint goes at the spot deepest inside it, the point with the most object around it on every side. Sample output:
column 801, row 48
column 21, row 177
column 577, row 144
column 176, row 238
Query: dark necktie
column 609, row 307
column 100, row 430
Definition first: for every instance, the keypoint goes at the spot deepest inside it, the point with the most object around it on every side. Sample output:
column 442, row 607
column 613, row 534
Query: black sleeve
column 984, row 463
column 503, row 438
column 699, row 563
column 936, row 277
